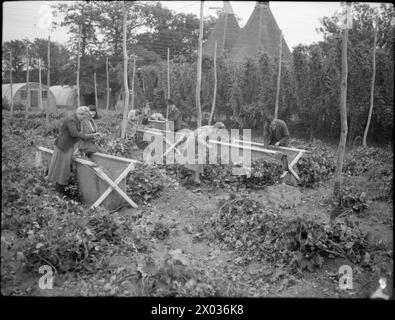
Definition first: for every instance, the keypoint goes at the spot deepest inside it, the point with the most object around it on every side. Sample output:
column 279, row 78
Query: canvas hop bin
column 102, row 182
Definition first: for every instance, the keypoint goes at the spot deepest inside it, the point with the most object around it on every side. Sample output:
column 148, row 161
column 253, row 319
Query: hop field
column 178, row 240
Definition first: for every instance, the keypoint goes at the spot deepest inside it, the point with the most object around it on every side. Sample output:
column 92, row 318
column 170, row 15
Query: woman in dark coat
column 70, row 134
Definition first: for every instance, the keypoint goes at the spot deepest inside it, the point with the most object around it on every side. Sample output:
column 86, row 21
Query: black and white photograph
column 204, row 149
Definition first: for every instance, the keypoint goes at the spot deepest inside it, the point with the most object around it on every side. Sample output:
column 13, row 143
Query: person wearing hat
column 70, row 134
column 88, row 126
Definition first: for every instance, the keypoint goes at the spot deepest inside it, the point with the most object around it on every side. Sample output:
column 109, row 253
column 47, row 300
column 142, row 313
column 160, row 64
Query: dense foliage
column 258, row 232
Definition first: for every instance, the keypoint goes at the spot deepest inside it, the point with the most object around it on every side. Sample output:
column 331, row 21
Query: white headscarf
column 83, row 111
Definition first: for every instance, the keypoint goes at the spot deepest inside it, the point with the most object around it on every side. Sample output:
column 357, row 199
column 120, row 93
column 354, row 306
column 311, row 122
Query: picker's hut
column 19, row 94
column 260, row 33
column 66, row 96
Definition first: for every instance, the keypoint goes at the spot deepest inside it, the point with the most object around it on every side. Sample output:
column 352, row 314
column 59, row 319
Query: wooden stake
column 125, row 77
column 215, row 84
column 133, row 76
column 278, row 76
column 260, row 27
column 48, row 80
column 108, row 87
column 224, row 36
column 142, row 78
column 27, row 83
column 372, row 87
column 12, row 98
column 343, row 117
column 96, row 100
column 40, row 91
column 78, row 67
column 199, row 68
column 168, row 81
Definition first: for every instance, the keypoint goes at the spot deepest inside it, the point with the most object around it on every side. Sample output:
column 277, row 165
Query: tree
column 76, row 14
column 179, row 32
column 343, row 113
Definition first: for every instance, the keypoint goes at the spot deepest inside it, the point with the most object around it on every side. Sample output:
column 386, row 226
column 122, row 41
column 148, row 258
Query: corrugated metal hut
column 19, row 94
column 66, row 96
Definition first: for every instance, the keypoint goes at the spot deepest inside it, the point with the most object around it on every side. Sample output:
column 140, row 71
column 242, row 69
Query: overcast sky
column 298, row 20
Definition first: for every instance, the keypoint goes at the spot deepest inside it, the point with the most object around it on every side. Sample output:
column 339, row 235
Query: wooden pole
column 215, row 84
column 199, row 69
column 168, row 81
column 125, row 77
column 108, row 87
column 40, row 91
column 260, row 27
column 133, row 76
column 142, row 78
column 343, row 117
column 96, row 100
column 224, row 36
column 372, row 87
column 12, row 98
column 48, row 79
column 278, row 76
column 27, row 83
column 78, row 67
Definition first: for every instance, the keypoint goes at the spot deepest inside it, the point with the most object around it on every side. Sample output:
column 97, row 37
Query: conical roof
column 225, row 32
column 261, row 31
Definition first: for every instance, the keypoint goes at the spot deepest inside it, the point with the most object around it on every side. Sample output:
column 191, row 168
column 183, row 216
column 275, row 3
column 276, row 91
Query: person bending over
column 275, row 132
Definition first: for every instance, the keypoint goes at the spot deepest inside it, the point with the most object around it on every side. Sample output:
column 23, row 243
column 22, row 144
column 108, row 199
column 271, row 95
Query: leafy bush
column 264, row 173
column 315, row 168
column 257, row 232
column 353, row 199
column 69, row 241
column 145, row 183
column 115, row 146
column 362, row 160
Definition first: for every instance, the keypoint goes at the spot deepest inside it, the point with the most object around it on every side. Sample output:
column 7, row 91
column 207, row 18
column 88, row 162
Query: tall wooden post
column 199, row 69
column 343, row 114
column 108, row 86
column 12, row 98
column 94, row 81
column 78, row 68
column 27, row 82
column 372, row 87
column 224, row 35
column 125, row 76
column 215, row 84
column 133, row 76
column 40, row 91
column 48, row 80
column 260, row 26
column 278, row 76
column 142, row 79
column 168, row 81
